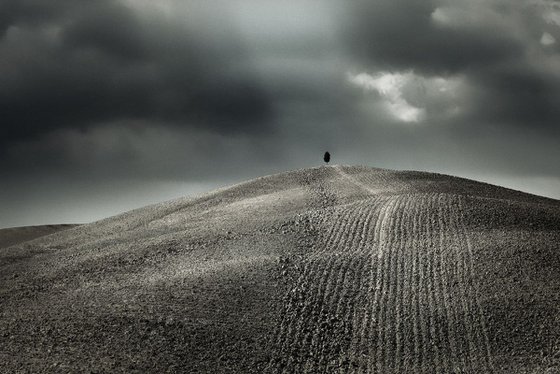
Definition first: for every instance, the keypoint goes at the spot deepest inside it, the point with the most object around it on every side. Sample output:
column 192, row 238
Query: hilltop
column 330, row 269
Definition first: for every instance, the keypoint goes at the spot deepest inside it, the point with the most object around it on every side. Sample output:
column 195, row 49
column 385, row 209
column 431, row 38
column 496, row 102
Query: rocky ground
column 327, row 270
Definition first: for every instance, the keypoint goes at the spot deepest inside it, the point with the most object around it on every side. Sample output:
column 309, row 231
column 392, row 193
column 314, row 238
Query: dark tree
column 327, row 157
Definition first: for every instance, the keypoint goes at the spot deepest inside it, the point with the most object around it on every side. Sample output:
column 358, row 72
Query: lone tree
column 327, row 157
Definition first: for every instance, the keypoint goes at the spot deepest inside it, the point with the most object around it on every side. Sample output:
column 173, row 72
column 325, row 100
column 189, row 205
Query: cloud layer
column 201, row 91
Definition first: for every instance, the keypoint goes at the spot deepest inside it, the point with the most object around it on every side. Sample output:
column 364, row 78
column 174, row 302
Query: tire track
column 354, row 181
column 385, row 180
column 390, row 339
column 383, row 254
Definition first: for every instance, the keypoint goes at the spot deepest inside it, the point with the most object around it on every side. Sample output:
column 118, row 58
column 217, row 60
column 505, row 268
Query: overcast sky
column 108, row 105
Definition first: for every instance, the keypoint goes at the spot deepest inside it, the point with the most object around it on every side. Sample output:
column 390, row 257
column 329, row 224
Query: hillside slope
column 331, row 269
column 15, row 235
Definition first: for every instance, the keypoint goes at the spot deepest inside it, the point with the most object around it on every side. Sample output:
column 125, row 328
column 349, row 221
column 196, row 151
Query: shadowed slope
column 15, row 235
column 332, row 269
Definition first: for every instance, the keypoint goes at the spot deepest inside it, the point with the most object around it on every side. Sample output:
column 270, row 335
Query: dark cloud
column 104, row 62
column 114, row 31
column 517, row 96
column 31, row 12
column 414, row 34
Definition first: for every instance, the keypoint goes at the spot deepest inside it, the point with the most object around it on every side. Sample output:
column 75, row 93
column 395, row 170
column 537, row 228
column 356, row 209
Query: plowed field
column 327, row 270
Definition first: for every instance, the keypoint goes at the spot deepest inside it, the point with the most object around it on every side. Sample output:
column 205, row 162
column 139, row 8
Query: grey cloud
column 494, row 46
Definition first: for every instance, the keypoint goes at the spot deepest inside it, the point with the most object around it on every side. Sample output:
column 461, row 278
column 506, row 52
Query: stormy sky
column 109, row 105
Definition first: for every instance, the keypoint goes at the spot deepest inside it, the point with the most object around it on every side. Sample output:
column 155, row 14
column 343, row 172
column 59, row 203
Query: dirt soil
column 16, row 235
column 338, row 269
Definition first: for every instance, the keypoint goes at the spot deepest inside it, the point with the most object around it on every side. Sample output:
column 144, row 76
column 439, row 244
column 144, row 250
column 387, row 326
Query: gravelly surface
column 332, row 269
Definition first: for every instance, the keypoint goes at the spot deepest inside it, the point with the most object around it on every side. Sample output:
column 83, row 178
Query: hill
column 15, row 235
column 332, row 269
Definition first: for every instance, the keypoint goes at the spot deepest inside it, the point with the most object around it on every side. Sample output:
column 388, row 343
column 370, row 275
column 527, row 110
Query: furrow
column 314, row 335
column 360, row 342
column 317, row 276
column 432, row 302
column 329, row 292
column 342, row 302
column 482, row 343
column 424, row 298
column 334, row 347
column 416, row 286
column 288, row 326
column 372, row 211
column 404, row 321
column 389, row 287
column 310, row 292
column 346, row 308
column 310, row 317
column 468, row 323
column 366, row 245
column 447, row 261
column 393, row 340
column 356, row 313
column 440, row 311
column 338, row 229
column 292, row 323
